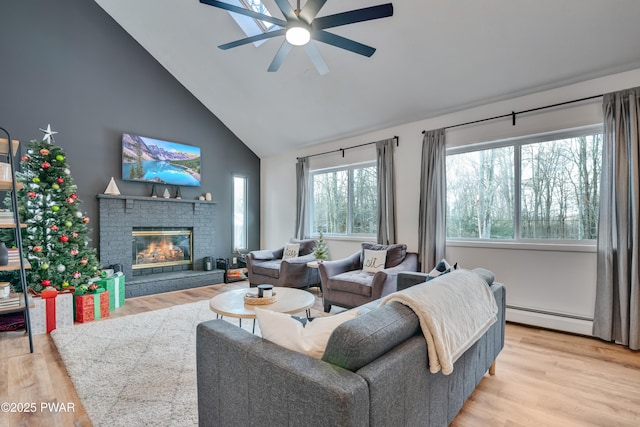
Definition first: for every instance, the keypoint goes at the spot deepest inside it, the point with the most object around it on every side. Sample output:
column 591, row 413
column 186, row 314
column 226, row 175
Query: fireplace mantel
column 154, row 199
column 119, row 215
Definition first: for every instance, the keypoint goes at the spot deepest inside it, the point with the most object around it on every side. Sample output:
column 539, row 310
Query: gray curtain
column 432, row 229
column 617, row 312
column 302, row 196
column 386, row 192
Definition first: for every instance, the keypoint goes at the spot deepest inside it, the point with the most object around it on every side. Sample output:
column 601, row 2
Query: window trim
column 348, row 167
column 565, row 245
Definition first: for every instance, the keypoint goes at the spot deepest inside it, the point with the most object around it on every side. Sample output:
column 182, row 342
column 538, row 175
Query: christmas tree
column 321, row 251
column 55, row 241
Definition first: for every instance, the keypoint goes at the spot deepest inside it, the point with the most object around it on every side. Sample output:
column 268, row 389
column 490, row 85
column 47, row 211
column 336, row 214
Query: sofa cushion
column 268, row 268
column 360, row 341
column 262, row 255
column 395, row 253
column 486, row 275
column 374, row 261
column 310, row 339
column 355, row 282
column 306, row 246
column 291, row 250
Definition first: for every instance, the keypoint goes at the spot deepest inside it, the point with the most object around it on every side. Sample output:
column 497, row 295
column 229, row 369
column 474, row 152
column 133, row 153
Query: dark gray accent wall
column 69, row 64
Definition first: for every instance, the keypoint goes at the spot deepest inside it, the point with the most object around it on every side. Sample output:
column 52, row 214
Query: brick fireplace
column 129, row 224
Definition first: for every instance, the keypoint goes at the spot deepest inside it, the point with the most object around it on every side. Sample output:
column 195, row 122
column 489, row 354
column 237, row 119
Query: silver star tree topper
column 48, row 134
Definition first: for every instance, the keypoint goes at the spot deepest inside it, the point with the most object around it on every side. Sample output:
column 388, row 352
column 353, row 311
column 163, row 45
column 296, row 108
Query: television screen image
column 161, row 162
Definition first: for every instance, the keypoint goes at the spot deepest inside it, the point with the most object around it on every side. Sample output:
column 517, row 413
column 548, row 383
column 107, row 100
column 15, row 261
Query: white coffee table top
column 288, row 300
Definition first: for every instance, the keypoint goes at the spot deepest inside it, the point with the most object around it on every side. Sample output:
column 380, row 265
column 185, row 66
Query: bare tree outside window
column 344, row 201
column 479, row 194
column 558, row 183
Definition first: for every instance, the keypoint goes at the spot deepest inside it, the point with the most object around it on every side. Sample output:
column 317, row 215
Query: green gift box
column 115, row 285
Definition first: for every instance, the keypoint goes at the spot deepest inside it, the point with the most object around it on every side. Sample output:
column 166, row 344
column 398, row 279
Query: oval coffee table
column 288, row 301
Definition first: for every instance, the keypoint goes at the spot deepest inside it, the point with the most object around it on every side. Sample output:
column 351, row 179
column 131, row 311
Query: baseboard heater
column 549, row 319
column 550, row 313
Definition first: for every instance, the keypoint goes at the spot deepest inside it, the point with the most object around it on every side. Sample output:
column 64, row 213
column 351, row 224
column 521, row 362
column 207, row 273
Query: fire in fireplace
column 161, row 248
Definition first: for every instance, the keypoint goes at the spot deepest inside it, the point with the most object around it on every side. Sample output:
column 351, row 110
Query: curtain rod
column 513, row 114
column 348, row 148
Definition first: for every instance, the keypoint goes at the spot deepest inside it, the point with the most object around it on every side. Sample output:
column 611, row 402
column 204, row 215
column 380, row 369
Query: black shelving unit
column 8, row 149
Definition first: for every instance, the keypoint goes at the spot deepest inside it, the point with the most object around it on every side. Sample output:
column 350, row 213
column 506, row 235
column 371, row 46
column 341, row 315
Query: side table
column 312, row 270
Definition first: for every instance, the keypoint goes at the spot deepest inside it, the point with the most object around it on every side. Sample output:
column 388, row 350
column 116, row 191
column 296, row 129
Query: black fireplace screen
column 158, row 248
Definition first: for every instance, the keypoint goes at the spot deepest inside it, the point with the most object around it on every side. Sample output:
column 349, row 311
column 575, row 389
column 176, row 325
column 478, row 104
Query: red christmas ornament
column 93, row 287
column 74, row 195
column 32, row 194
column 76, row 275
column 25, row 158
column 84, row 261
column 85, row 219
column 54, row 227
column 60, row 180
column 37, row 248
column 74, row 252
column 64, row 238
column 70, row 200
column 46, row 282
column 44, row 151
column 46, row 165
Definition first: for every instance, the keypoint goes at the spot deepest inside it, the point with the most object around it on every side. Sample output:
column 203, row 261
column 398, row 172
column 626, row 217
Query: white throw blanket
column 455, row 310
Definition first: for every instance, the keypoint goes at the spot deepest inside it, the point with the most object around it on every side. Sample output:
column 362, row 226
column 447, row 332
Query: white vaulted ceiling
column 433, row 57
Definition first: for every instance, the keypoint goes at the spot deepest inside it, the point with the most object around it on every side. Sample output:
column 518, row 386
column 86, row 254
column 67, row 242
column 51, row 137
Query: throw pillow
column 291, row 250
column 443, row 267
column 374, row 261
column 310, row 339
column 262, row 255
column 396, row 253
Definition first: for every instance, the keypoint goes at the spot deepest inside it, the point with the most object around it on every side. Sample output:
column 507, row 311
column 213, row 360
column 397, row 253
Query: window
column 257, row 6
column 250, row 26
column 344, row 201
column 239, row 213
column 544, row 187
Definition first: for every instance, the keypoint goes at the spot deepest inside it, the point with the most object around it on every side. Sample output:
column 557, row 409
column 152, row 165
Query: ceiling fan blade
column 246, row 12
column 263, row 36
column 282, row 53
column 352, row 16
column 311, row 9
column 316, row 58
column 286, row 9
column 343, row 43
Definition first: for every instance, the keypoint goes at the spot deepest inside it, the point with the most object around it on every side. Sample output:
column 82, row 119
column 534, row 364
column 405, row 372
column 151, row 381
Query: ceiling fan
column 301, row 27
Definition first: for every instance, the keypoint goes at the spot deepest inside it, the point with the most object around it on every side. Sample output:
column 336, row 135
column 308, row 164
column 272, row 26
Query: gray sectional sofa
column 374, row 372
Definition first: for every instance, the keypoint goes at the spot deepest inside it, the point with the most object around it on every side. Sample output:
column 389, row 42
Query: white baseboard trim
column 550, row 321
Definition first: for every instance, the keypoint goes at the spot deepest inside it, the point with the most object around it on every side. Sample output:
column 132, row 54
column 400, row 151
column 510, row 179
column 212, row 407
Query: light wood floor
column 543, row 378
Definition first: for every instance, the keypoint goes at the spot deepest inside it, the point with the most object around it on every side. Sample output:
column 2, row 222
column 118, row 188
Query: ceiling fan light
column 298, row 36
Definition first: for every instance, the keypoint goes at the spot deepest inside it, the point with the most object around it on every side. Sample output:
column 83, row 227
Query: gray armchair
column 268, row 267
column 345, row 284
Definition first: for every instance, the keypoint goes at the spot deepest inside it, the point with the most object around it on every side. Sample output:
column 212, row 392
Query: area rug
column 137, row 370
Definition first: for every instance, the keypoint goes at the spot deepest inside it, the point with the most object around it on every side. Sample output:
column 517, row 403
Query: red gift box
column 90, row 307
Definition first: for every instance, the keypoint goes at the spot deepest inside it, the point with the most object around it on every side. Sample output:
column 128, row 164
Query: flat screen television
column 161, row 162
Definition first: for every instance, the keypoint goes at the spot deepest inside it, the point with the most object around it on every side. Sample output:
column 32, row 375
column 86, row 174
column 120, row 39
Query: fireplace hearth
column 160, row 243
